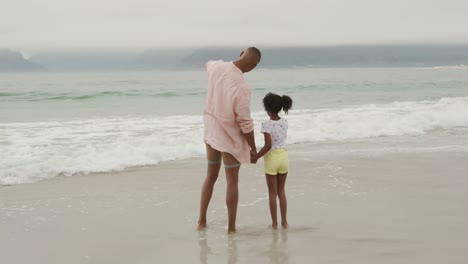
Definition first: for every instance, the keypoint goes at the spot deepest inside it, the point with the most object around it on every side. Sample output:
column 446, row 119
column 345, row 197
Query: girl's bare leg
column 282, row 199
column 272, row 193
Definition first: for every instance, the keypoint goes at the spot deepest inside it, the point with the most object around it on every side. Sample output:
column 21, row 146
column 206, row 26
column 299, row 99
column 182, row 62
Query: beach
column 107, row 167
column 115, row 115
column 357, row 206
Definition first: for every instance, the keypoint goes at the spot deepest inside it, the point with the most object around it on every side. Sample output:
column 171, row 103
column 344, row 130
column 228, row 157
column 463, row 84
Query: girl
column 276, row 160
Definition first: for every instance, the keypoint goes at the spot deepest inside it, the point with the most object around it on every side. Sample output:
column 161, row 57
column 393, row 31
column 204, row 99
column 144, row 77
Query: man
column 229, row 129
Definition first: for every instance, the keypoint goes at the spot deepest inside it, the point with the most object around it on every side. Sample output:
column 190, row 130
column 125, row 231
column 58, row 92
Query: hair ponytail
column 286, row 103
column 273, row 103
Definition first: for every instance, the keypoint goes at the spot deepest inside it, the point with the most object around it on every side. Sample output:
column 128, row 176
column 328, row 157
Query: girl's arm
column 267, row 146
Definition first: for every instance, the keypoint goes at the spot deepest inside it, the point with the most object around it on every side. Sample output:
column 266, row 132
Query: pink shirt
column 227, row 110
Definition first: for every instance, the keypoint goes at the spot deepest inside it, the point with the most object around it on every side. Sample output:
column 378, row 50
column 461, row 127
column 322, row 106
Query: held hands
column 253, row 156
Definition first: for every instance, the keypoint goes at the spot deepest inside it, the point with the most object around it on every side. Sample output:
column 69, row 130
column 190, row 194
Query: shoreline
column 435, row 142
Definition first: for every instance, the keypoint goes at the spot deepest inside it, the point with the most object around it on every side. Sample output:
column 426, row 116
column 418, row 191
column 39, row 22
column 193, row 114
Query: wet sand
column 406, row 207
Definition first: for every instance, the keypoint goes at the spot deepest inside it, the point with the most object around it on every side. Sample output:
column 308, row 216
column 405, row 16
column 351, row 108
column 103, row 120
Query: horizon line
column 198, row 47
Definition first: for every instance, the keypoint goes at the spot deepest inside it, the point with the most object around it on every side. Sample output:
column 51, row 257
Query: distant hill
column 342, row 56
column 85, row 60
column 11, row 61
column 161, row 59
column 111, row 60
column 199, row 57
column 279, row 57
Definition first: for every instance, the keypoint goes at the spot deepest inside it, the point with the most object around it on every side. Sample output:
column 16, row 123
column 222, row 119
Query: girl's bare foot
column 285, row 225
column 274, row 226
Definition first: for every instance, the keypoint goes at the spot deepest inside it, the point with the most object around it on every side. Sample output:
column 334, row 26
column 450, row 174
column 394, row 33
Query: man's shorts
column 276, row 162
column 214, row 157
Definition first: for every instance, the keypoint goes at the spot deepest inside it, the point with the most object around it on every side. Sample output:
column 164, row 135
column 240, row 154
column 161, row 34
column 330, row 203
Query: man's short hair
column 255, row 51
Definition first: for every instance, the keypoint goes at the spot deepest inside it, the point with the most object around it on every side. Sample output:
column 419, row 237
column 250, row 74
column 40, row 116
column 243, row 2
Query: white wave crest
column 40, row 150
column 36, row 151
column 399, row 118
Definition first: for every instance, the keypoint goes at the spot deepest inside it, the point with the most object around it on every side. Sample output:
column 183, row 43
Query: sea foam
column 41, row 150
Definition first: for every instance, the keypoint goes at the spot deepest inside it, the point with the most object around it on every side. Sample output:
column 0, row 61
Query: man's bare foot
column 231, row 231
column 274, row 226
column 201, row 225
column 285, row 225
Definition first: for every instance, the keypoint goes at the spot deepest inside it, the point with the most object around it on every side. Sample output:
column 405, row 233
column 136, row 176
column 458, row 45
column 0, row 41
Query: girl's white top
column 278, row 130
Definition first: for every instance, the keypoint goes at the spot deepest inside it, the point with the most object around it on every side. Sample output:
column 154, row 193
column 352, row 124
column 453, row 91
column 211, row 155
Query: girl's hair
column 273, row 103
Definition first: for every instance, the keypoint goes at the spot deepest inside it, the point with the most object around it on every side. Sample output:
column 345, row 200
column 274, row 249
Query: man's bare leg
column 214, row 165
column 232, row 196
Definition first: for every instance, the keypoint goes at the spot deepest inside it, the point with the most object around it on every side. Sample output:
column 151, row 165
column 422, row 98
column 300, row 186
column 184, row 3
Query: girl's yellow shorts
column 276, row 162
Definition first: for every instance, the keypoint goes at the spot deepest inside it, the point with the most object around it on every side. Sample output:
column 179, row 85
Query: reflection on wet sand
column 278, row 248
column 205, row 249
column 232, row 250
column 275, row 243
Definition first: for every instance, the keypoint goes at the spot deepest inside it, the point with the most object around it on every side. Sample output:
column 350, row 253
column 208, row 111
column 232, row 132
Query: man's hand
column 249, row 137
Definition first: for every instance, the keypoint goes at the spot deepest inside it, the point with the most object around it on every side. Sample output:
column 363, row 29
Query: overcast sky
column 31, row 25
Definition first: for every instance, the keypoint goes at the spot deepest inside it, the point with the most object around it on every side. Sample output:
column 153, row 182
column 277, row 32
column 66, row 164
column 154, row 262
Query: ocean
column 74, row 123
